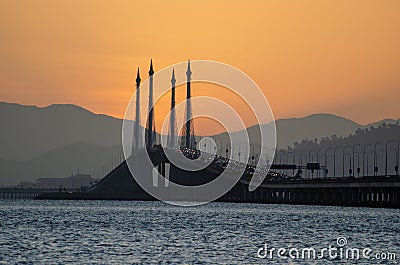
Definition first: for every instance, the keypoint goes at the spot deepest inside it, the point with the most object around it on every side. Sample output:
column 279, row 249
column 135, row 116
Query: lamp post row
column 352, row 160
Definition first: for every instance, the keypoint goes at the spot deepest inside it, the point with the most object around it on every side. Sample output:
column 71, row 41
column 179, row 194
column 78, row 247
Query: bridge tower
column 150, row 131
column 172, row 116
column 136, row 130
column 188, row 140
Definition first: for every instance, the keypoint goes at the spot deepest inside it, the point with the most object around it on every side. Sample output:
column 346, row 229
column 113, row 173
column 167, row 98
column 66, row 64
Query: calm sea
column 118, row 232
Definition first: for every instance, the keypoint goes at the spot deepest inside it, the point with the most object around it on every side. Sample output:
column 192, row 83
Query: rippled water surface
column 117, row 232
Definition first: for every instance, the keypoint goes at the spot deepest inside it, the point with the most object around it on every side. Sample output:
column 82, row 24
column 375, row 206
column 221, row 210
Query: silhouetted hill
column 379, row 123
column 294, row 130
column 59, row 162
column 314, row 126
column 29, row 131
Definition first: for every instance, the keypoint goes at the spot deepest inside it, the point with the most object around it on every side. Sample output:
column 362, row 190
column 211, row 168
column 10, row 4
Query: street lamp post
column 383, row 151
column 396, row 169
column 301, row 158
column 318, row 150
column 358, row 164
column 376, row 159
column 326, row 165
column 284, row 161
column 354, row 146
column 397, row 158
column 311, row 160
column 231, row 150
column 267, row 158
column 386, row 156
column 293, row 157
column 350, row 171
column 365, row 145
column 334, row 160
column 344, row 149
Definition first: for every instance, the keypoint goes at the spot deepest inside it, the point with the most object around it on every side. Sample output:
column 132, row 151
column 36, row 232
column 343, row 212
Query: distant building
column 72, row 182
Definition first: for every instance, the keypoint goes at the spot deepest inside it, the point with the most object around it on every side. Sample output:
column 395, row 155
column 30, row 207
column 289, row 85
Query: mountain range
column 59, row 139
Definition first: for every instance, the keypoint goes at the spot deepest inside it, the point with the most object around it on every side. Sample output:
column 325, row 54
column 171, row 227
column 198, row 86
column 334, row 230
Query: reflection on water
column 119, row 232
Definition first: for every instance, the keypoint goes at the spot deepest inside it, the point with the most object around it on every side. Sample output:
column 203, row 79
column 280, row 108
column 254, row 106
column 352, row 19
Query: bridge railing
column 109, row 166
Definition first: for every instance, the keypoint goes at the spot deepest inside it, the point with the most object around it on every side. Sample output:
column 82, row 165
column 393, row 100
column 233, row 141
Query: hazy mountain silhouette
column 29, row 131
column 59, row 162
column 56, row 140
column 379, row 123
column 294, row 130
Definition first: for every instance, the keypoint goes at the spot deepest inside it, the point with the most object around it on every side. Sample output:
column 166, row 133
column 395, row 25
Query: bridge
column 294, row 183
column 16, row 193
column 378, row 191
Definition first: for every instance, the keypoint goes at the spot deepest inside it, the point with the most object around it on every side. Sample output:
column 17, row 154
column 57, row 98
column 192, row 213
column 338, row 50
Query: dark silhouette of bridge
column 295, row 183
column 276, row 188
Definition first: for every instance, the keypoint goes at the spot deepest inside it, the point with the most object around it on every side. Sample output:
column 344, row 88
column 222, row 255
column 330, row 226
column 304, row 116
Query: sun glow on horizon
column 338, row 57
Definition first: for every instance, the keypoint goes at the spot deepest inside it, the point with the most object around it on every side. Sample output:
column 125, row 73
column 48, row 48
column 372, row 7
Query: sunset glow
column 339, row 57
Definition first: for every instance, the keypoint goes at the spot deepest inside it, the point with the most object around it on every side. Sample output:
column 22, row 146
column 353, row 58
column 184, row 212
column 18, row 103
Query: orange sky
column 339, row 57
